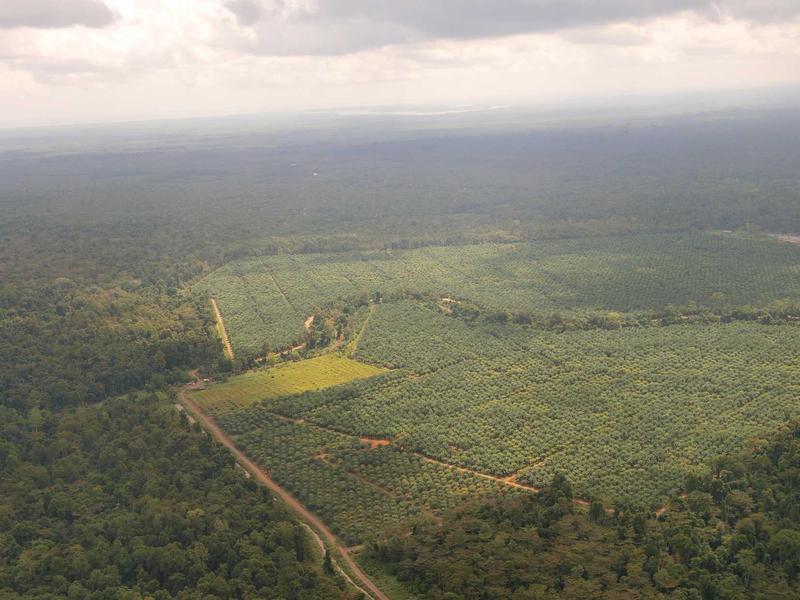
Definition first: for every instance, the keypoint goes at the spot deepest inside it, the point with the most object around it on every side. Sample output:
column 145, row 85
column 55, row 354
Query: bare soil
column 374, row 442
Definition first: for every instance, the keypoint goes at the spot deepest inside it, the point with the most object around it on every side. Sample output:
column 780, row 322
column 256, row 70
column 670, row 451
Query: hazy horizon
column 460, row 115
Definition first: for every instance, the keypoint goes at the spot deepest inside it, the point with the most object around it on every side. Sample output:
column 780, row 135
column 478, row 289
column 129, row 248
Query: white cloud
column 192, row 57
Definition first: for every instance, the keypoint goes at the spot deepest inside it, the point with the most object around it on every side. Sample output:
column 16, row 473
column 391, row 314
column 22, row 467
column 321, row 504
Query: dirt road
column 223, row 331
column 353, row 346
column 261, row 477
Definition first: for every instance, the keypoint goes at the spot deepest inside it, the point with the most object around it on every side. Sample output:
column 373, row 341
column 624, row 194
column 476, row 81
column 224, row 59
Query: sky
column 82, row 61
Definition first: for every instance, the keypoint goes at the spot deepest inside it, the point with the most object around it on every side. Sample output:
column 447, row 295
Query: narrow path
column 792, row 239
column 501, row 480
column 261, row 477
column 335, row 564
column 278, row 353
column 351, row 349
column 278, row 287
column 376, row 442
column 222, row 330
column 509, row 481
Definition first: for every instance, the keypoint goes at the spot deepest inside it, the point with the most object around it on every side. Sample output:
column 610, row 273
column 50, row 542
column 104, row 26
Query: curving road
column 261, row 477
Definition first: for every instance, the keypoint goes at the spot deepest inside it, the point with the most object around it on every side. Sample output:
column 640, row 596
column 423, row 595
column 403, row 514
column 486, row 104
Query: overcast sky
column 67, row 61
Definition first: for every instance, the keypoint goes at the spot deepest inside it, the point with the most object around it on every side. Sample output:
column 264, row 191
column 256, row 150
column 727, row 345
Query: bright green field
column 283, row 380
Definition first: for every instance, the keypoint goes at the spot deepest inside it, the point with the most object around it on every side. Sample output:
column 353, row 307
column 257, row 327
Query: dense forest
column 138, row 196
column 126, row 500
column 64, row 347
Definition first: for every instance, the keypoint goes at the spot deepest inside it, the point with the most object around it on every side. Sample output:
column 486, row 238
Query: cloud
column 54, row 14
column 618, row 34
column 330, row 27
column 247, row 12
column 180, row 57
column 761, row 11
column 466, row 19
column 334, row 27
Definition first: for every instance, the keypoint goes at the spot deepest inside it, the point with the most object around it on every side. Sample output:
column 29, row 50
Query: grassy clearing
column 286, row 379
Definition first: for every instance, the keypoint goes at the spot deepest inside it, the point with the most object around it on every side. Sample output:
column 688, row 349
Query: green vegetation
column 126, row 500
column 257, row 315
column 358, row 486
column 622, row 273
column 623, row 413
column 735, row 535
column 65, row 344
column 485, row 377
column 284, row 379
column 623, row 364
column 595, row 275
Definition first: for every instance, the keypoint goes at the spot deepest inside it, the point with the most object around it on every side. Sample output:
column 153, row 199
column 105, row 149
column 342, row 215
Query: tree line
column 735, row 534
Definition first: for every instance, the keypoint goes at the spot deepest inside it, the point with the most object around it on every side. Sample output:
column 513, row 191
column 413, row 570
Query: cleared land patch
column 283, row 380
